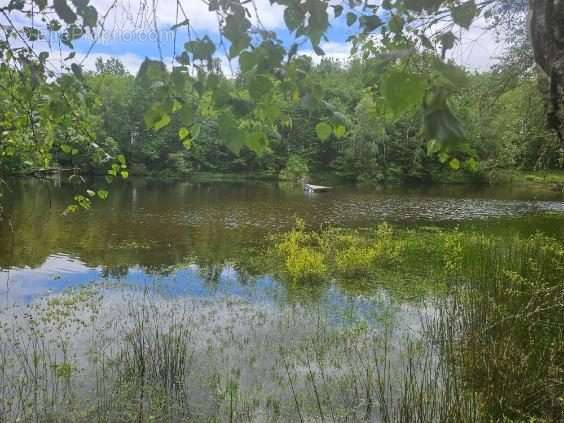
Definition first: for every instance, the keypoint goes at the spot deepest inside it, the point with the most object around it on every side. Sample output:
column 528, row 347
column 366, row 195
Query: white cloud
column 478, row 48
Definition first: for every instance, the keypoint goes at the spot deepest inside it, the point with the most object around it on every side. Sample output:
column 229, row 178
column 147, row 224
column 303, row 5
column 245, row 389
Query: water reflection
column 186, row 237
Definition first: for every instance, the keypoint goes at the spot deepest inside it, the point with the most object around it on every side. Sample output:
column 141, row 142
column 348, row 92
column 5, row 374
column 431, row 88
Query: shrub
column 305, row 264
column 296, row 168
column 301, row 260
column 355, row 260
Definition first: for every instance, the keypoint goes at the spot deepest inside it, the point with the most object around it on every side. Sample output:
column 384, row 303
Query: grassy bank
column 551, row 178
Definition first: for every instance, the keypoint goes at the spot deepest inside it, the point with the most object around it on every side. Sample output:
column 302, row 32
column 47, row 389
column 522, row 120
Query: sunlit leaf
column 443, row 157
column 323, row 131
column 472, row 165
column 162, row 122
column 402, row 90
column 102, row 194
column 454, row 164
column 340, row 131
column 183, row 133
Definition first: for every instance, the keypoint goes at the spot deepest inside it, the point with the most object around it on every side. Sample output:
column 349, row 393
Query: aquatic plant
column 302, row 261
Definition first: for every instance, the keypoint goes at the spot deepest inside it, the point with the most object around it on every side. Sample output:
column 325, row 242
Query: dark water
column 186, row 236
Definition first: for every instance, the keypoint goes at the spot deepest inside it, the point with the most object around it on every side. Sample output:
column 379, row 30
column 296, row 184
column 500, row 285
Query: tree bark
column 546, row 28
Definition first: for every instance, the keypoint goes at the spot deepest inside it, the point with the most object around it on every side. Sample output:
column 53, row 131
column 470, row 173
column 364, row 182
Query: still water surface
column 186, row 237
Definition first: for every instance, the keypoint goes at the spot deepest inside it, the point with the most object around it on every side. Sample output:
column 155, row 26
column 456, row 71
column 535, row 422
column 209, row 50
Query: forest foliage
column 396, row 111
column 370, row 143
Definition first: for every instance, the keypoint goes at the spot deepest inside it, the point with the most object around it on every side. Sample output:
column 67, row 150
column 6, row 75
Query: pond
column 192, row 232
column 258, row 302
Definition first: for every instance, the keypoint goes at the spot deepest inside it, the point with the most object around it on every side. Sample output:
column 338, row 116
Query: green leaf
column 447, row 40
column 66, row 148
column 443, row 126
column 195, row 130
column 201, row 49
column 395, row 24
column 453, row 74
column 42, row 4
column 90, row 193
column 338, row 9
column 247, row 61
column 64, row 11
column 102, row 194
column 318, row 21
column 236, row 30
column 156, row 118
column 443, row 157
column 183, row 133
column 472, row 165
column 89, row 16
column 294, row 17
column 80, row 4
column 351, row 19
column 454, row 164
column 323, row 131
column 402, row 90
column 176, row 106
column 183, row 58
column 433, row 147
column 426, row 42
column 124, row 174
column 464, row 14
column 16, row 5
column 187, row 143
column 340, row 131
column 256, row 142
column 318, row 50
column 151, row 71
column 369, row 23
column 259, row 86
column 76, row 70
column 162, row 122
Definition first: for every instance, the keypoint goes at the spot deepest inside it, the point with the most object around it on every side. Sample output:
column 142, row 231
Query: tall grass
column 489, row 348
column 509, row 305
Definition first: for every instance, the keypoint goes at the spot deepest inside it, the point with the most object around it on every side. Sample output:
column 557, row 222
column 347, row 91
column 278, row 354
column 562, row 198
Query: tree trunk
column 546, row 27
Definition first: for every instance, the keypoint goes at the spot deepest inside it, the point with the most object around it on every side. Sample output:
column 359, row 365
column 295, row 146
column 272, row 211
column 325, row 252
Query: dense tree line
column 502, row 113
column 398, row 111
